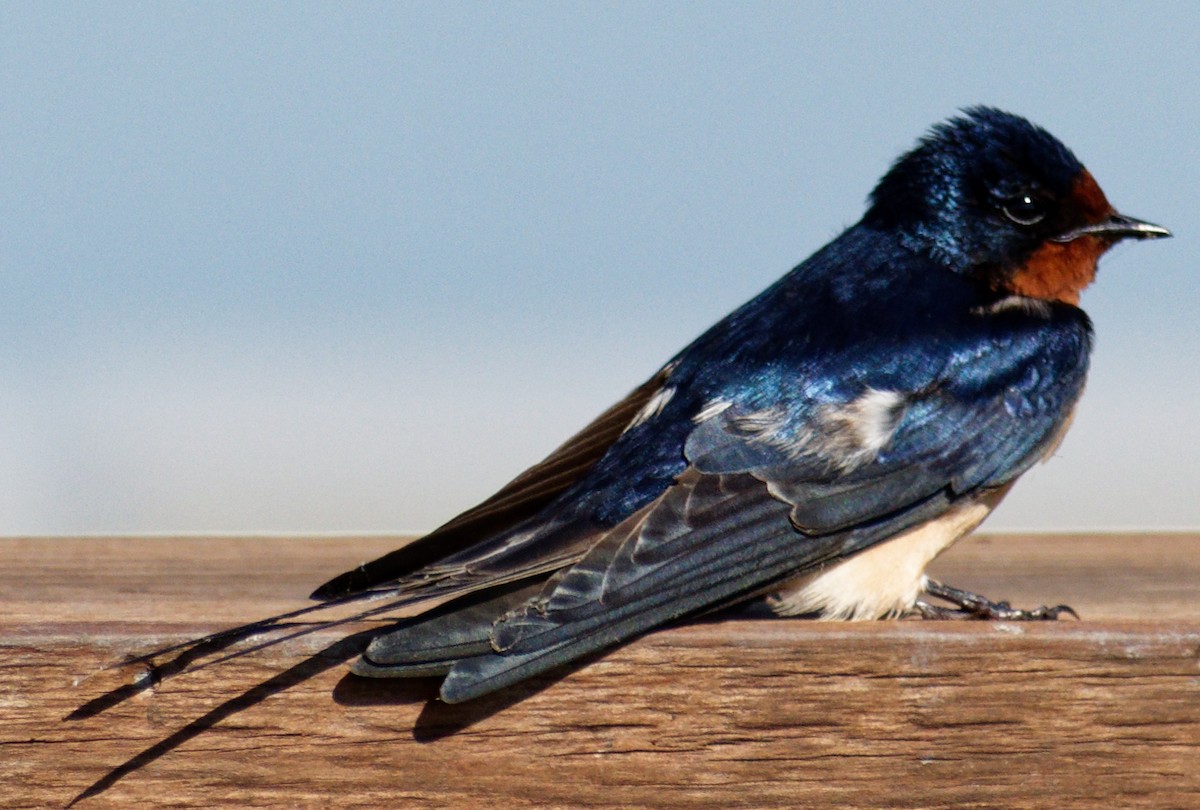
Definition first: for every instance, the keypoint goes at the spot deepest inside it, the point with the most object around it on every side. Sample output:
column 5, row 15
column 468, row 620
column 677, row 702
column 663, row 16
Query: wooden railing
column 1098, row 713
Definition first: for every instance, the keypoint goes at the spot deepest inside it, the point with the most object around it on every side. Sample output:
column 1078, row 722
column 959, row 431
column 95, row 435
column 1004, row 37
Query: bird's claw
column 969, row 605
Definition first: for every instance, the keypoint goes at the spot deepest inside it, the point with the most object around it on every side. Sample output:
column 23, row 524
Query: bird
column 808, row 455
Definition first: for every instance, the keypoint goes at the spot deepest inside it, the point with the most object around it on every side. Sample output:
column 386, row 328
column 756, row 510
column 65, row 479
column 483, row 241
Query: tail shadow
column 332, row 656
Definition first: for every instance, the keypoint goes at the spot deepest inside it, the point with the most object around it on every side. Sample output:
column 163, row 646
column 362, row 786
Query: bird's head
column 991, row 195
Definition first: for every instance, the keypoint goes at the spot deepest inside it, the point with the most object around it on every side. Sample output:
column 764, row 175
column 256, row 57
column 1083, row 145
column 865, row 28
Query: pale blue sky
column 281, row 267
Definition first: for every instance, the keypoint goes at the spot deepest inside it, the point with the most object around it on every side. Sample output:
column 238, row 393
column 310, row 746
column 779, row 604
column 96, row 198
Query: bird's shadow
column 436, row 721
column 439, row 720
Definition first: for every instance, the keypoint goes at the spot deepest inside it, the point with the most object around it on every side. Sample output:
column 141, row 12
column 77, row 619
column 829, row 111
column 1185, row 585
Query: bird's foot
column 969, row 605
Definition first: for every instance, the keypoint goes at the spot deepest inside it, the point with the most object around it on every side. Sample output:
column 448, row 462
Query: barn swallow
column 809, row 454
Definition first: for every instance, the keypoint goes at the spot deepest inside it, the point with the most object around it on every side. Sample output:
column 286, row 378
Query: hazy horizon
column 292, row 269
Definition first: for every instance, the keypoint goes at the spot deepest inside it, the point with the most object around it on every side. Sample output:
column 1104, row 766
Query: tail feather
column 371, row 605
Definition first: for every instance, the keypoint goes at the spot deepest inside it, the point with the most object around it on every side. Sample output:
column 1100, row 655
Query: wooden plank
column 1099, row 713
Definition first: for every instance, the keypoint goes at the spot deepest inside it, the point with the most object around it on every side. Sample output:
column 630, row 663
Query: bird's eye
column 1025, row 209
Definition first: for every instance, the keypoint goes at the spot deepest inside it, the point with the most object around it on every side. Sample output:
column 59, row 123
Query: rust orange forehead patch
column 1090, row 199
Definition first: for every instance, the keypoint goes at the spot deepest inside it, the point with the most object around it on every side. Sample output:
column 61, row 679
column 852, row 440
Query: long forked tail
column 200, row 653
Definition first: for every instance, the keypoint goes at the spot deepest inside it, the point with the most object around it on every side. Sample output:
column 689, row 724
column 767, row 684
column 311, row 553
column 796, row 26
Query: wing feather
column 733, row 554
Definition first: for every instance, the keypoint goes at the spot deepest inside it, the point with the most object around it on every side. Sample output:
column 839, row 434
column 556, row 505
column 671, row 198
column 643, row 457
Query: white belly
column 887, row 579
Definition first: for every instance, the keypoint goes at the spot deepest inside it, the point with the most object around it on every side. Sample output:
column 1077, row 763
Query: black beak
column 1117, row 226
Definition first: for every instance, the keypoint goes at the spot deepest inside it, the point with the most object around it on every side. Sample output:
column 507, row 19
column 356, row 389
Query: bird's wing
column 517, row 501
column 763, row 500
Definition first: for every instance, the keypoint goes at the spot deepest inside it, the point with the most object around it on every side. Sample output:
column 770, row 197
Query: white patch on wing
column 845, row 435
column 887, row 579
column 653, row 407
column 852, row 434
column 872, row 418
column 717, row 406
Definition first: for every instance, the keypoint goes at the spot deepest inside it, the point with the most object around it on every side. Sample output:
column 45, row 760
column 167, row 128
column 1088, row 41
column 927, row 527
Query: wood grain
column 1099, row 713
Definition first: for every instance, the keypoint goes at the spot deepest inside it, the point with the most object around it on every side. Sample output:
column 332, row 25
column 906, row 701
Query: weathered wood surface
column 1102, row 713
